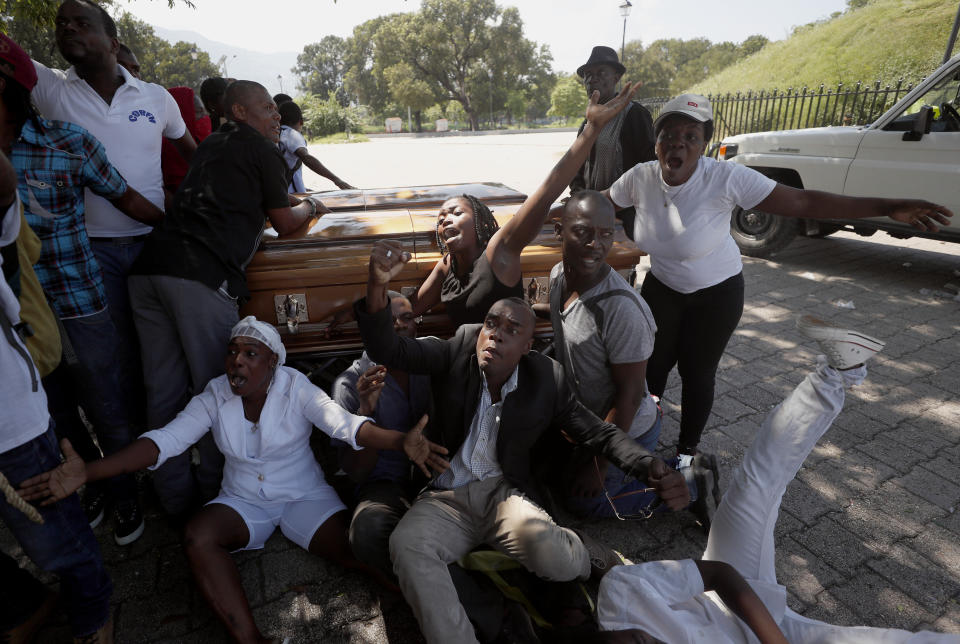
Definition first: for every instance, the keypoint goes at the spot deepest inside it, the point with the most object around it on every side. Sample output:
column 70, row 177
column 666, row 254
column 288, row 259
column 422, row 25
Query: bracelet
column 313, row 205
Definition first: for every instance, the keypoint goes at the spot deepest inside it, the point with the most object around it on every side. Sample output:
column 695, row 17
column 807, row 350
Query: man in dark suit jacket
column 494, row 399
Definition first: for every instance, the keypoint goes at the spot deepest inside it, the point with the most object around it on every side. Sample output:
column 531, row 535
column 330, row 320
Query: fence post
column 836, row 102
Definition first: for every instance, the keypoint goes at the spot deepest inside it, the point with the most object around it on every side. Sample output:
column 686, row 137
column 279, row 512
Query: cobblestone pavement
column 869, row 531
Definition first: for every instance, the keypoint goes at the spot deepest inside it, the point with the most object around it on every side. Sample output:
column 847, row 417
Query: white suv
column 912, row 151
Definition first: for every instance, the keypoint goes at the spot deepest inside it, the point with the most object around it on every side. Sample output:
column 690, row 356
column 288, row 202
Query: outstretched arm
column 66, row 478
column 793, row 202
column 739, row 597
column 314, row 164
column 418, row 449
column 503, row 251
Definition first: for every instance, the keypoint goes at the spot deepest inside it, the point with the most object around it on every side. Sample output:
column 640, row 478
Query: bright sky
column 569, row 27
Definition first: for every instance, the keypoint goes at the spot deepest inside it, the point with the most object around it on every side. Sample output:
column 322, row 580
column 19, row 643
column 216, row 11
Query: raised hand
column 922, row 215
column 58, row 483
column 600, row 113
column 669, row 485
column 386, row 261
column 369, row 385
column 423, row 452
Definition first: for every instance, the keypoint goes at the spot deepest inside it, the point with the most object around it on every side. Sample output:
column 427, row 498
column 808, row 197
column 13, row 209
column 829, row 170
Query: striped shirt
column 54, row 164
column 476, row 459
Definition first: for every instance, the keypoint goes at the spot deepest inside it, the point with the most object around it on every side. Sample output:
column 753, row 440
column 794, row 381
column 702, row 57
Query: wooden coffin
column 297, row 282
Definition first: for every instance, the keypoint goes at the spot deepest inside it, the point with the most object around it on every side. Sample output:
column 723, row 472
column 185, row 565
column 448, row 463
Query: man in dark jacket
column 625, row 141
column 494, row 399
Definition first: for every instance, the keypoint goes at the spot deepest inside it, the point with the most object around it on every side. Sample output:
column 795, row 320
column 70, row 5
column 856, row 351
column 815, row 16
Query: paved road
column 869, row 531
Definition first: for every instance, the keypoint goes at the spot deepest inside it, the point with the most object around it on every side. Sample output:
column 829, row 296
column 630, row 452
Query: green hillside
column 884, row 40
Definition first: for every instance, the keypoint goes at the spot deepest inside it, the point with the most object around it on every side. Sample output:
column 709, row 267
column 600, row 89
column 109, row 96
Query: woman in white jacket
column 261, row 415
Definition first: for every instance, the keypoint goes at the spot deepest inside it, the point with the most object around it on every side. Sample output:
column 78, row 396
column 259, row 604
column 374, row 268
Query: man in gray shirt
column 604, row 335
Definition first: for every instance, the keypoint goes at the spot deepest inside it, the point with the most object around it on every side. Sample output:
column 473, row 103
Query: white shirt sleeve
column 332, row 419
column 174, row 126
column 295, row 141
column 622, row 190
column 748, row 187
column 47, row 81
column 186, row 429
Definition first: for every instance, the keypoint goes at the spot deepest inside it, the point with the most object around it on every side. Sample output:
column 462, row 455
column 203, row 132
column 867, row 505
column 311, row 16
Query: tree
column 516, row 104
column 671, row 66
column 327, row 116
column 320, row 68
column 647, row 68
column 361, row 80
column 753, row 44
column 182, row 64
column 409, row 90
column 568, row 99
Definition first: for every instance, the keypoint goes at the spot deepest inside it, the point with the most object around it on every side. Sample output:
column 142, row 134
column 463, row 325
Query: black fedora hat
column 602, row 56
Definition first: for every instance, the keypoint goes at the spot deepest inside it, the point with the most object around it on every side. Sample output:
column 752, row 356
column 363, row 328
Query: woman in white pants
column 667, row 600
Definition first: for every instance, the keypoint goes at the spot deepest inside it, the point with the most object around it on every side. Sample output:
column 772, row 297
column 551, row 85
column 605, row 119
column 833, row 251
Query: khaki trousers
column 444, row 525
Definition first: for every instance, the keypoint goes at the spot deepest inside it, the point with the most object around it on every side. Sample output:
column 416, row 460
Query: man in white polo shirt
column 129, row 117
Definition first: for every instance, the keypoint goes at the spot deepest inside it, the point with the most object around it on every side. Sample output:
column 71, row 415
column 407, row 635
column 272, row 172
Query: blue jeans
column 116, row 258
column 63, row 544
column 617, row 483
column 96, row 382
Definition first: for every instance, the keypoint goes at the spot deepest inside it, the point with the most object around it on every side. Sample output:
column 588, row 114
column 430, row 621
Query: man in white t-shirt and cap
column 130, row 118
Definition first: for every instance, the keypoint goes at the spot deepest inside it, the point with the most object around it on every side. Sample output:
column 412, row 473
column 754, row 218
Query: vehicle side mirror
column 921, row 125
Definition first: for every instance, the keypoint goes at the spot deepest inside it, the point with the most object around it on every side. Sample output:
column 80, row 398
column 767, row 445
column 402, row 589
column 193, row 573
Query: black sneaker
column 94, row 506
column 706, row 474
column 128, row 523
column 602, row 558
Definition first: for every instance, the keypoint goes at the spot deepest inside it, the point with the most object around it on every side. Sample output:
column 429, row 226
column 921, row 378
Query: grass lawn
column 340, row 137
column 885, row 40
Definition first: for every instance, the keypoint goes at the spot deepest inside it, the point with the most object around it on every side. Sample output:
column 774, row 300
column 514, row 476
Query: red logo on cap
column 692, row 104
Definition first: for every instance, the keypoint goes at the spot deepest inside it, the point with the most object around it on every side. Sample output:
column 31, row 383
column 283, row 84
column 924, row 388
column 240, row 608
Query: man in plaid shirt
column 55, row 161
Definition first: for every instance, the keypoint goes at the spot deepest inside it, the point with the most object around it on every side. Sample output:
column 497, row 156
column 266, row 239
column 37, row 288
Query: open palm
column 599, row 114
column 58, row 483
column 422, row 452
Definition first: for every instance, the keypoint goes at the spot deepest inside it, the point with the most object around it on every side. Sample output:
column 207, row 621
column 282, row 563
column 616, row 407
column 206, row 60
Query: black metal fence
column 764, row 111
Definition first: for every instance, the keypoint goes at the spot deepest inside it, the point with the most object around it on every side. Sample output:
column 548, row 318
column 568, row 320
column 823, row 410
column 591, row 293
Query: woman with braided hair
column 481, row 261
column 468, row 283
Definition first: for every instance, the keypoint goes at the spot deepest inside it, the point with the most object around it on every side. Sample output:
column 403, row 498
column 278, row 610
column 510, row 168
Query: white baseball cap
column 692, row 106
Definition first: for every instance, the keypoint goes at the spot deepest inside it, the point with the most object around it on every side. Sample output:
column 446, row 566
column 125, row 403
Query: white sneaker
column 844, row 348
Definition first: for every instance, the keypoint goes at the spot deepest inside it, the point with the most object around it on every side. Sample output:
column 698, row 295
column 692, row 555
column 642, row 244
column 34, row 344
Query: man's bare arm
column 185, row 145
column 314, row 164
column 739, row 597
column 136, row 206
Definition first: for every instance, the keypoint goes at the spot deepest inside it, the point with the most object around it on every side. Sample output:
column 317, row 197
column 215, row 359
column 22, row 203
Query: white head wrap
column 251, row 327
